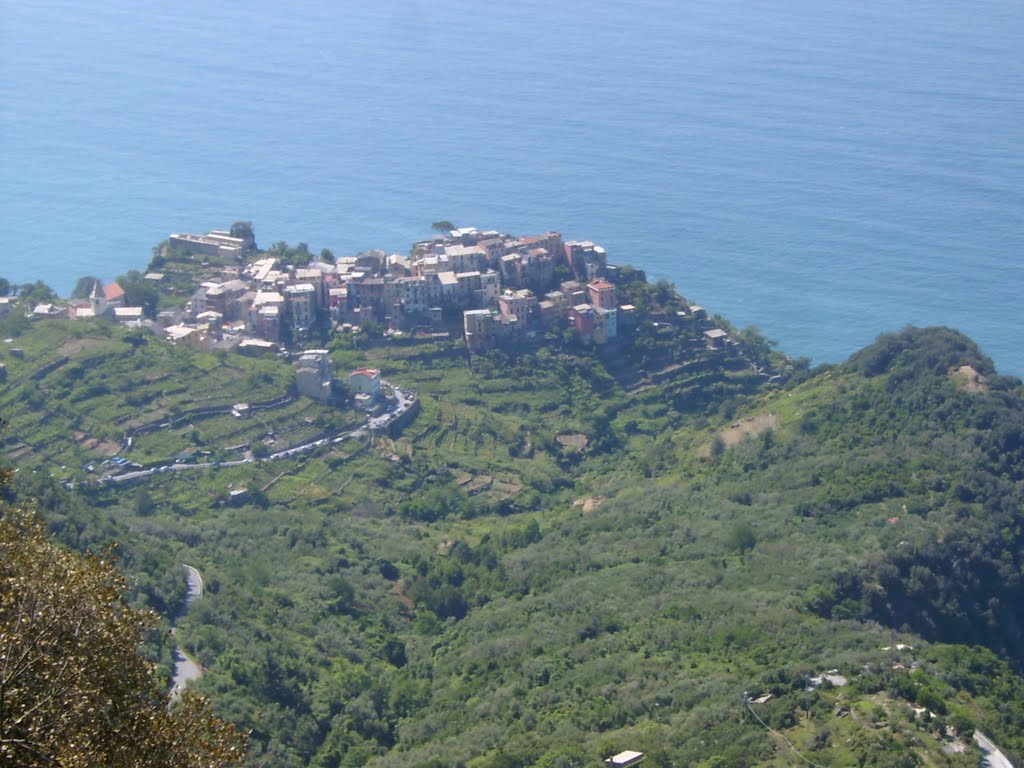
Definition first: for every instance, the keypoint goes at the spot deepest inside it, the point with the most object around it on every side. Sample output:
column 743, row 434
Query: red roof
column 371, row 372
column 113, row 291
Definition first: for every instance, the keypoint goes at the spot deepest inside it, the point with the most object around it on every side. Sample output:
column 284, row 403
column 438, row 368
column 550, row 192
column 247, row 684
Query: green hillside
column 568, row 553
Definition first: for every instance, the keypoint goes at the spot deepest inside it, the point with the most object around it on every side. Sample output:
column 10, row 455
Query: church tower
column 98, row 300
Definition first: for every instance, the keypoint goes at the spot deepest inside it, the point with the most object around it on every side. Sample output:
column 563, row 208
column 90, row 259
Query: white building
column 365, row 381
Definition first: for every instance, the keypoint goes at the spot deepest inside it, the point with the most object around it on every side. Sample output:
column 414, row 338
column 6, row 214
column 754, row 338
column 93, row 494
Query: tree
column 244, row 231
column 442, row 226
column 741, row 538
column 753, row 343
column 38, row 292
column 327, row 255
column 159, row 257
column 84, row 287
column 73, row 689
column 139, row 292
column 5, row 286
column 144, row 506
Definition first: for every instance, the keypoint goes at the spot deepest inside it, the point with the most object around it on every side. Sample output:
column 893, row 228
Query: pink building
column 602, row 294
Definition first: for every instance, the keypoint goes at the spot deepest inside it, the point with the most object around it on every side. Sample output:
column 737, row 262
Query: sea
column 825, row 170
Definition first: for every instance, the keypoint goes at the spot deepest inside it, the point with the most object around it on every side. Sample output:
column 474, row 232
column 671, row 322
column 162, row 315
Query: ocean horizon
column 824, row 171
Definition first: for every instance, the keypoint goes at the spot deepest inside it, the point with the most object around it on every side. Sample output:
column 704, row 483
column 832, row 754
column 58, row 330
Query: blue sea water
column 825, row 170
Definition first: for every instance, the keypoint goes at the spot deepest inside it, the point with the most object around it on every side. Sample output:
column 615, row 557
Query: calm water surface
column 826, row 171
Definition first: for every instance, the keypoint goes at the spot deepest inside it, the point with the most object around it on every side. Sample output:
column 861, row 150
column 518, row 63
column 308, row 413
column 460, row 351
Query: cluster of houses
column 505, row 287
column 502, row 287
column 591, row 310
column 106, row 301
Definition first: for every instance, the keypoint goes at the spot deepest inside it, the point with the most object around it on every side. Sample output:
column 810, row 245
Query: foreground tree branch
column 74, row 690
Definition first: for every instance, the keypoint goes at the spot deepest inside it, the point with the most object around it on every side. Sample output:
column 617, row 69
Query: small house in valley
column 629, row 757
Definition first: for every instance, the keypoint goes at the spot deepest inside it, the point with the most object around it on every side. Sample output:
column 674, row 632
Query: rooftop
column 629, row 757
column 371, row 372
column 178, row 332
column 463, row 250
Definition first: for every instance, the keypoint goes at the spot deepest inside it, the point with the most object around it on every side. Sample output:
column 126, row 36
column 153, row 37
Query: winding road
column 185, row 667
column 994, row 758
column 404, row 401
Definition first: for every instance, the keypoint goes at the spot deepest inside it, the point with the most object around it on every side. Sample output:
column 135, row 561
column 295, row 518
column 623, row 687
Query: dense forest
column 565, row 555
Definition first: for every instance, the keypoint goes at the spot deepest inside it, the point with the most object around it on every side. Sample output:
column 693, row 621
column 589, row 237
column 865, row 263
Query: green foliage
column 84, row 287
column 291, row 256
column 73, row 689
column 476, row 591
column 31, row 294
column 741, row 538
column 914, row 352
column 963, row 475
column 244, row 231
column 139, row 292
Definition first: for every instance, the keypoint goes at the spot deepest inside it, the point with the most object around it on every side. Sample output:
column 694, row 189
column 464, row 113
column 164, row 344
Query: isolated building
column 624, row 759
column 365, row 386
column 365, row 381
column 314, row 377
column 716, row 338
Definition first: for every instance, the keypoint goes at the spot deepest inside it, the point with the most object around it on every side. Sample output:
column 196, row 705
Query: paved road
column 195, row 584
column 125, row 477
column 185, row 667
column 404, row 402
column 993, row 757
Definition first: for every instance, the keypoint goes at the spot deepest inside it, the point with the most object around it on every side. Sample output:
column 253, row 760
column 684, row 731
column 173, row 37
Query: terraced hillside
column 551, row 564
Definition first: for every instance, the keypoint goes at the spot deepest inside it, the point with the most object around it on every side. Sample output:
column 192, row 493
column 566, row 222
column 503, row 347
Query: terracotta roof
column 113, row 291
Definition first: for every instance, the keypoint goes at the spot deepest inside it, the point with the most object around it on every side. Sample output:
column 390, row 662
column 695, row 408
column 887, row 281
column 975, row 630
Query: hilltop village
column 463, row 293
column 496, row 290
column 536, row 437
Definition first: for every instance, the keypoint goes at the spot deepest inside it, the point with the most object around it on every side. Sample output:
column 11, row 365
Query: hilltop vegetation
column 564, row 555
